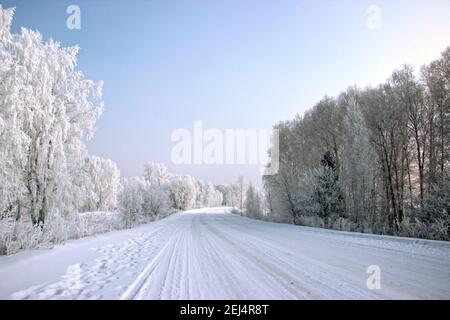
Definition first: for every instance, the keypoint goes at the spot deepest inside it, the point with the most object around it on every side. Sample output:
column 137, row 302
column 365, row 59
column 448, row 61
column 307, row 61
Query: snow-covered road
column 213, row 254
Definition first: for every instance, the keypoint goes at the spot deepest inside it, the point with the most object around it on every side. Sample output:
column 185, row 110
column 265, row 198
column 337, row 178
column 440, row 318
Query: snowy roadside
column 17, row 236
column 29, row 268
column 406, row 240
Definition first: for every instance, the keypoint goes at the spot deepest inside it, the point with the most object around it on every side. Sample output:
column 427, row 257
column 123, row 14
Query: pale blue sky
column 230, row 63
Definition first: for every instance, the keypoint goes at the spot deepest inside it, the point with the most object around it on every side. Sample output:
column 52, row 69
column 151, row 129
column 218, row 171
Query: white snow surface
column 214, row 254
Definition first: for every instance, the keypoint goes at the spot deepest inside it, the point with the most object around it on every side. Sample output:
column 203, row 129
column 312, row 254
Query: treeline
column 371, row 160
column 158, row 192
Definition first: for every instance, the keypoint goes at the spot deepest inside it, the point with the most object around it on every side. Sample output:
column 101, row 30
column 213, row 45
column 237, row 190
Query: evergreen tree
column 328, row 192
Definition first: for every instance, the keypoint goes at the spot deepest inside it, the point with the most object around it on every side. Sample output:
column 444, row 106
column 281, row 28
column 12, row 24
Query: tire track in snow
column 288, row 270
column 134, row 290
column 211, row 254
column 408, row 272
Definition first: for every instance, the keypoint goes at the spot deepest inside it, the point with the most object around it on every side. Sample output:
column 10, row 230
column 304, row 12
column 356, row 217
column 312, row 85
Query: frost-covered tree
column 436, row 79
column 100, row 184
column 12, row 139
column 215, row 197
column 208, row 195
column 328, row 192
column 182, row 192
column 157, row 174
column 231, row 194
column 437, row 203
column 358, row 162
column 157, row 195
column 253, row 202
column 156, row 201
column 47, row 110
column 241, row 187
column 131, row 199
column 200, row 196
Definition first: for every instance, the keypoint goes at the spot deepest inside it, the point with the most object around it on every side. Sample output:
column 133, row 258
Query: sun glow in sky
column 229, row 63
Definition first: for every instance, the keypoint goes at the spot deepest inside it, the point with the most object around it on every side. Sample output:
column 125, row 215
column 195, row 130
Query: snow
column 213, row 254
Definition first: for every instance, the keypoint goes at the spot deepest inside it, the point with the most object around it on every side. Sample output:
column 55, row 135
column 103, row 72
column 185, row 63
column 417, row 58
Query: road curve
column 213, row 254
